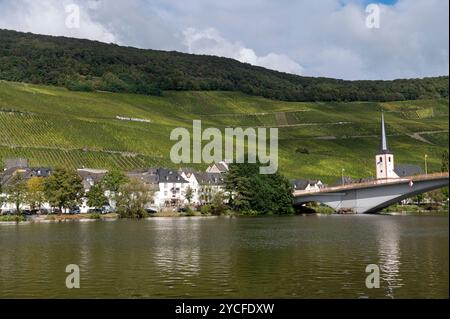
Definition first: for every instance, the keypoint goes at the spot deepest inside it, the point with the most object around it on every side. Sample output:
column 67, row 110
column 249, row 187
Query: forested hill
column 85, row 65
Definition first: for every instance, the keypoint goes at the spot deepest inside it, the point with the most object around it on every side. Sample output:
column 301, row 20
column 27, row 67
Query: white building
column 385, row 159
column 204, row 185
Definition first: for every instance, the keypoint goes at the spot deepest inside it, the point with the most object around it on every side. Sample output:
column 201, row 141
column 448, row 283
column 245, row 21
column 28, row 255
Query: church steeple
column 385, row 159
column 384, row 146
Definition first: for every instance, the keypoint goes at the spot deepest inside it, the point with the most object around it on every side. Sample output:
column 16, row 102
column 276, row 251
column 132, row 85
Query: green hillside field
column 52, row 126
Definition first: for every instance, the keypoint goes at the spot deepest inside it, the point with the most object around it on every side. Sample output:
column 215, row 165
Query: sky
column 343, row 39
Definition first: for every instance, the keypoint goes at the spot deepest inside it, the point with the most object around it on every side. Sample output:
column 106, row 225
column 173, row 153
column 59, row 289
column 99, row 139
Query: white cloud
column 314, row 38
column 49, row 17
column 210, row 42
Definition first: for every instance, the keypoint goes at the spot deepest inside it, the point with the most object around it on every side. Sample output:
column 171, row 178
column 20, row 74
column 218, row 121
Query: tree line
column 83, row 65
column 245, row 191
column 64, row 191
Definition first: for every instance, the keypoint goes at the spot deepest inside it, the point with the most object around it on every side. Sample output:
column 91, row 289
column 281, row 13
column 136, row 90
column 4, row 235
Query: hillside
column 54, row 126
column 83, row 65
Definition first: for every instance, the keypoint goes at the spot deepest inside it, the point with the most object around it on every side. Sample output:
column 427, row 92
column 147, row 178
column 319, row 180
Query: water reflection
column 178, row 253
column 319, row 257
column 389, row 254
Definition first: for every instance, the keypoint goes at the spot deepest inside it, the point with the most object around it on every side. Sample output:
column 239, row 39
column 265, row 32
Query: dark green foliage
column 253, row 191
column 96, row 197
column 113, row 180
column 132, row 199
column 63, row 189
column 218, row 206
column 84, row 65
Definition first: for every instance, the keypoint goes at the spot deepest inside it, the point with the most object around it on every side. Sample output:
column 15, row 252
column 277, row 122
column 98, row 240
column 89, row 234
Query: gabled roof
column 300, row 184
column 26, row 173
column 158, row 175
column 214, row 179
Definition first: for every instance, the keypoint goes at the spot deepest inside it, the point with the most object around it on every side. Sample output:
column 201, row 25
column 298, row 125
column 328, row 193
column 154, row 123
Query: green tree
column 17, row 191
column 113, row 180
column 250, row 190
column 218, row 206
column 189, row 194
column 132, row 198
column 63, row 189
column 96, row 197
column 35, row 193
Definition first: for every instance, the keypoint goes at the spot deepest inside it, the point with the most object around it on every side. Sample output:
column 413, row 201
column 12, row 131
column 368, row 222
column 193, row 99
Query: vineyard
column 52, row 126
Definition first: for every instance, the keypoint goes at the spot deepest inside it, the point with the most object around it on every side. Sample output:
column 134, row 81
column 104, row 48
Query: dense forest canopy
column 85, row 65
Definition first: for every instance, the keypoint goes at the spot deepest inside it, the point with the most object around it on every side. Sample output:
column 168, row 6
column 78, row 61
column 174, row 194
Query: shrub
column 205, row 210
column 12, row 218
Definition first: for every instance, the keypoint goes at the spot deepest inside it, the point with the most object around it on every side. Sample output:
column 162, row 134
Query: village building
column 220, row 167
column 307, row 184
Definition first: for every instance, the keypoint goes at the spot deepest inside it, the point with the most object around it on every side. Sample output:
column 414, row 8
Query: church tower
column 385, row 158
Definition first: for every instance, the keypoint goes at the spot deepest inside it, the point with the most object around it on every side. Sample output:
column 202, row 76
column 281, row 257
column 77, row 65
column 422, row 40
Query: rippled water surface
column 286, row 257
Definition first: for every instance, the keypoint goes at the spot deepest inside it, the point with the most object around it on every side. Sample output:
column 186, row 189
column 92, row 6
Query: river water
column 279, row 257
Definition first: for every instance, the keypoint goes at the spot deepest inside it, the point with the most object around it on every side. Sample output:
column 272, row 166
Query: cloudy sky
column 307, row 37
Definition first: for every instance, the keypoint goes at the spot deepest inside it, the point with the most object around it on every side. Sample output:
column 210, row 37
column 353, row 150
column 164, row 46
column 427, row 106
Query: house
column 7, row 177
column 203, row 184
column 221, row 167
column 307, row 184
column 90, row 177
column 209, row 184
column 169, row 185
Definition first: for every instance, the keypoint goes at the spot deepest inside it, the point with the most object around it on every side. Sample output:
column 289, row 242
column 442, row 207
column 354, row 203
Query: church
column 385, row 167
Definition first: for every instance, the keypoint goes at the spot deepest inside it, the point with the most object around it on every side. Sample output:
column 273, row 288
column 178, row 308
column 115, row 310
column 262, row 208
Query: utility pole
column 342, row 176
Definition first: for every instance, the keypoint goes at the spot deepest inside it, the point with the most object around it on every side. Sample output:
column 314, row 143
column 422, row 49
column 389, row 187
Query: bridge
column 371, row 197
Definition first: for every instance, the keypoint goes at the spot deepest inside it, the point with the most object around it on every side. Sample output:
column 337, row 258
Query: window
column 389, row 159
column 381, row 159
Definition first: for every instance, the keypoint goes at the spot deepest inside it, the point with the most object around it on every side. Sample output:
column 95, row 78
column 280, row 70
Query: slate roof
column 408, row 170
column 90, row 176
column 157, row 175
column 26, row 173
column 301, row 184
column 209, row 178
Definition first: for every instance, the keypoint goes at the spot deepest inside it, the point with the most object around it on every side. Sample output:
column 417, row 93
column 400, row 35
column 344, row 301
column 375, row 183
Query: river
column 202, row 257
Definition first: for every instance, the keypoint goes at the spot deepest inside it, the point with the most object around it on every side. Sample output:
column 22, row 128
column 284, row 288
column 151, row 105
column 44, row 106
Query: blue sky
column 308, row 37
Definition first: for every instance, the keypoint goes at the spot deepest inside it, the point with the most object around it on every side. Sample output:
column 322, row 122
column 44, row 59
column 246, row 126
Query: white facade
column 385, row 166
column 384, row 161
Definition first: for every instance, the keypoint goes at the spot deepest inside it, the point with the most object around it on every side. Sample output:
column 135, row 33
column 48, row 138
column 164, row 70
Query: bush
column 79, row 86
column 189, row 212
column 95, row 216
column 250, row 212
column 12, row 218
column 205, row 210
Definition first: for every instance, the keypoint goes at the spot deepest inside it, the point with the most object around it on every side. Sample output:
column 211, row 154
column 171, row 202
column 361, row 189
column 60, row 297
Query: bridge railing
column 374, row 182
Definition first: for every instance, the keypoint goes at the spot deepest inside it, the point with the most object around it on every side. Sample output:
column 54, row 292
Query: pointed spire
column 384, row 146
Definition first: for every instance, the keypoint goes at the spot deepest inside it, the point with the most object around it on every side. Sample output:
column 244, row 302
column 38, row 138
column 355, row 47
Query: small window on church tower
column 389, row 159
column 381, row 159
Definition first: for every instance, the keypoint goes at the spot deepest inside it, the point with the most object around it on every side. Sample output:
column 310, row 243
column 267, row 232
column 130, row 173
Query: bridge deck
column 375, row 183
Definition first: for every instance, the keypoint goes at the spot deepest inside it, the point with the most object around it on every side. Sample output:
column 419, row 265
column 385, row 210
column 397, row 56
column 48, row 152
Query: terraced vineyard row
column 78, row 158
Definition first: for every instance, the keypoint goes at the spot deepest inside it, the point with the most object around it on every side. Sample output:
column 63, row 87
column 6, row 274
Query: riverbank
column 412, row 210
